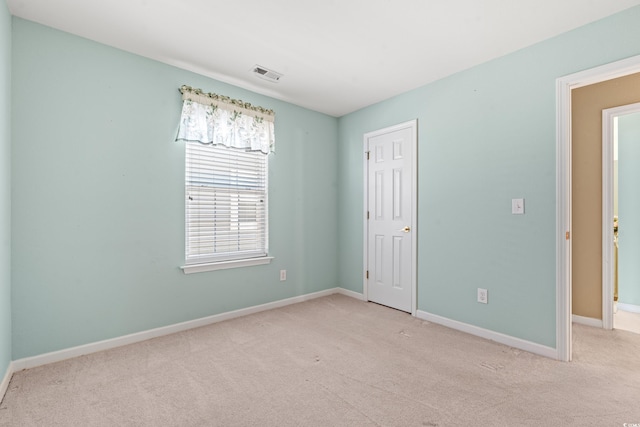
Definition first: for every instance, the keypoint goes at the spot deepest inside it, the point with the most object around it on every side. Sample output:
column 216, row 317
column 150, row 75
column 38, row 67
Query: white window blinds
column 226, row 203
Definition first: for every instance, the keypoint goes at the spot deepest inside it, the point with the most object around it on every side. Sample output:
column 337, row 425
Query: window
column 227, row 145
column 226, row 203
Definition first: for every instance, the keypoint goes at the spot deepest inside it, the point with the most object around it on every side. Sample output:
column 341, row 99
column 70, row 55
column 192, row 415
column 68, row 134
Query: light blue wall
column 5, row 189
column 98, row 201
column 485, row 136
column 629, row 208
column 98, row 190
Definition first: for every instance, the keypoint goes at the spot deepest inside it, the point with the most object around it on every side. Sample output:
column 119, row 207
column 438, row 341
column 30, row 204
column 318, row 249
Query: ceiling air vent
column 266, row 74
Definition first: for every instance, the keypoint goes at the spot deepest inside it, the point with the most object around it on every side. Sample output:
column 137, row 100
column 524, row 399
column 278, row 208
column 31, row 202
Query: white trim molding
column 57, row 356
column 564, row 86
column 587, row 321
column 498, row 337
column 608, row 244
column 223, row 265
column 630, row 308
column 351, row 294
column 4, row 385
column 563, row 221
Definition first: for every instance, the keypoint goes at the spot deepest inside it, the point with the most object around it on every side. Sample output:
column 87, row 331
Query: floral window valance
column 215, row 119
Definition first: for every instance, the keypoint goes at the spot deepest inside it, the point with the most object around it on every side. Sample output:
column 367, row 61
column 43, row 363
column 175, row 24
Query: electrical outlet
column 283, row 275
column 483, row 296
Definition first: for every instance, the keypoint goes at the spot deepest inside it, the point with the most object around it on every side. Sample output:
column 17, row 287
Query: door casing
column 564, row 86
column 413, row 125
column 608, row 116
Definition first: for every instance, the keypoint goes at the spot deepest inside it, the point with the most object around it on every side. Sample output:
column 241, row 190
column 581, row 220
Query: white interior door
column 391, row 186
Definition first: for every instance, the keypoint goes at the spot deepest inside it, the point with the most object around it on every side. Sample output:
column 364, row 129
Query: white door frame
column 564, row 86
column 413, row 125
column 608, row 116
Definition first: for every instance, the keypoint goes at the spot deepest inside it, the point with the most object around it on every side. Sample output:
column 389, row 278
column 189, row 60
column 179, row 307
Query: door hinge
column 367, row 214
column 567, row 235
column 368, row 154
column 367, row 274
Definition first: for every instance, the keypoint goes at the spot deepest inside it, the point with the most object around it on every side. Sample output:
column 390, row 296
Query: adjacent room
column 319, row 213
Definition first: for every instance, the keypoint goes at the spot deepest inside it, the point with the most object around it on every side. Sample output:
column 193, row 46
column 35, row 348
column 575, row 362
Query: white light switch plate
column 517, row 206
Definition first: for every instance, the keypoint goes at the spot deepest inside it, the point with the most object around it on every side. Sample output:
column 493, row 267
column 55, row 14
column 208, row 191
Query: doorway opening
column 564, row 87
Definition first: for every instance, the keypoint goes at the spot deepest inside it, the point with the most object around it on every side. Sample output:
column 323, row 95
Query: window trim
column 223, row 265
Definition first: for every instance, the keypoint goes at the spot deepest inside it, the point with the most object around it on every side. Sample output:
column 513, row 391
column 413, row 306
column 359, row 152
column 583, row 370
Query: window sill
column 223, row 265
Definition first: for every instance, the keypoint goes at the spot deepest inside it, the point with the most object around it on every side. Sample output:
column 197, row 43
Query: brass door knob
column 406, row 229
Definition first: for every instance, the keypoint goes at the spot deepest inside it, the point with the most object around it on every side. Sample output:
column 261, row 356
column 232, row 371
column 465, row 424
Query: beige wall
column 586, row 174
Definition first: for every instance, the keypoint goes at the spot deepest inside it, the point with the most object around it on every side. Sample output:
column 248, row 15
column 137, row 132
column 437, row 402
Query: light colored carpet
column 334, row 361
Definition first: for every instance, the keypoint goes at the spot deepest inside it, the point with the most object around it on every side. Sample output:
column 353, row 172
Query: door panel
column 389, row 232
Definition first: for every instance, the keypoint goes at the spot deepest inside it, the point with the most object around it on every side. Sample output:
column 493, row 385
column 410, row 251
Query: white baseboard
column 518, row 343
column 588, row 321
column 57, row 356
column 351, row 294
column 629, row 307
column 4, row 385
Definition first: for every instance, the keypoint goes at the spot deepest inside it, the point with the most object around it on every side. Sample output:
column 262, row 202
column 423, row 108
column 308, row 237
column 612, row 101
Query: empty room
column 376, row 212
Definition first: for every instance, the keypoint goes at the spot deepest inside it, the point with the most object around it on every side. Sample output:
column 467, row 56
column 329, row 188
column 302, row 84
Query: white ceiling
column 337, row 56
